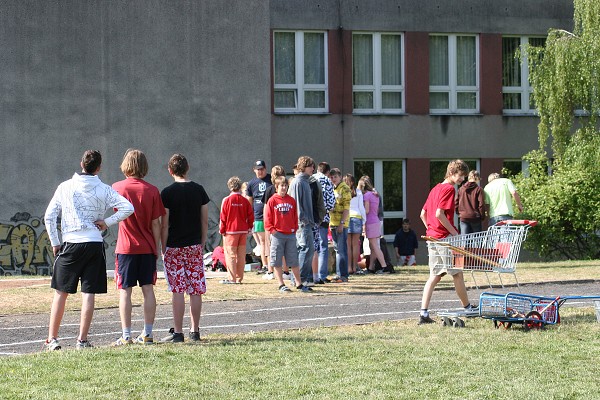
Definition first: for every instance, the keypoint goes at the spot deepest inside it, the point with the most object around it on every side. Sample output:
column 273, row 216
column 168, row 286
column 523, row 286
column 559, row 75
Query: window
column 453, row 74
column 389, row 179
column 300, row 71
column 377, row 73
column 516, row 92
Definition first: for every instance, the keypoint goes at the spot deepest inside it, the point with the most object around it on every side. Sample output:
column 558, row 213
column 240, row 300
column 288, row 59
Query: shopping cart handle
column 517, row 222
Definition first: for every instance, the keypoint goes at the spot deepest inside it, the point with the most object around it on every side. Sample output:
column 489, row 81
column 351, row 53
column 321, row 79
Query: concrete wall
column 164, row 76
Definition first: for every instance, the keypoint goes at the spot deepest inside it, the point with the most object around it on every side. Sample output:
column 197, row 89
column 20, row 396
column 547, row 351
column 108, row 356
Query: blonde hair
column 474, row 175
column 234, row 184
column 134, row 164
column 276, row 171
column 279, row 180
column 492, row 176
column 455, row 167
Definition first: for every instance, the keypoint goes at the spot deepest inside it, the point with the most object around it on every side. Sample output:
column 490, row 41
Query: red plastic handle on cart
column 517, row 222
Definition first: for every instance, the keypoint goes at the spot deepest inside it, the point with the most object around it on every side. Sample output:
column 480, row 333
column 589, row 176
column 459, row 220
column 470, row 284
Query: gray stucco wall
column 164, row 76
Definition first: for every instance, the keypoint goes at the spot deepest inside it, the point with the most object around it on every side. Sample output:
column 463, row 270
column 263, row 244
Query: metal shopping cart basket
column 529, row 310
column 495, row 250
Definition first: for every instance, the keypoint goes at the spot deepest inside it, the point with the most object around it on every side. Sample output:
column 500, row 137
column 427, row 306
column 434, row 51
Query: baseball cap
column 259, row 164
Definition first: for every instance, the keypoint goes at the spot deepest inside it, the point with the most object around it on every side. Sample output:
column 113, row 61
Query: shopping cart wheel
column 502, row 324
column 533, row 320
column 446, row 321
column 459, row 323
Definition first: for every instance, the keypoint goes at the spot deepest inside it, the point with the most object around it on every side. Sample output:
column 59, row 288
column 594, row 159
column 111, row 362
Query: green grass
column 391, row 360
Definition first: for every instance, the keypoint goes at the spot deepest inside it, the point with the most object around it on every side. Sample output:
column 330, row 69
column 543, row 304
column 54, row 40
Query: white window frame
column 452, row 88
column 525, row 90
column 378, row 88
column 300, row 87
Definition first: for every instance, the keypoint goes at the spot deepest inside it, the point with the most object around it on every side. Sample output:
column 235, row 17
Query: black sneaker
column 173, row 337
column 425, row 320
column 472, row 307
column 194, row 336
column 389, row 269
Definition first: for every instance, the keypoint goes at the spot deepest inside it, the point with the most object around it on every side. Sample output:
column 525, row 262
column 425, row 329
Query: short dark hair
column 336, row 172
column 178, row 165
column 91, row 161
column 323, row 167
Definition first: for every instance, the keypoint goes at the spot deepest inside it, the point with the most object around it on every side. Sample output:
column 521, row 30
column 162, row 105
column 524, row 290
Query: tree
column 565, row 76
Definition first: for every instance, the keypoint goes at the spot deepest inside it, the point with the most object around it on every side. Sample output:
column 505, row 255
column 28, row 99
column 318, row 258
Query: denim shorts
column 355, row 225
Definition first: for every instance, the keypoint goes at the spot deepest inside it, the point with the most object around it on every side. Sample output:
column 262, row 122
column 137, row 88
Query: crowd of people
column 292, row 220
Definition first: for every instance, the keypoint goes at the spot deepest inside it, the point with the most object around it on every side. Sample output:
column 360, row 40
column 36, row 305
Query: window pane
column 314, row 99
column 285, row 99
column 466, row 61
column 391, row 100
column 438, row 60
column 362, row 60
column 285, row 58
column 391, row 60
column 363, row 100
column 314, row 58
column 511, row 65
column 392, row 186
column 511, row 101
column 511, row 168
column 466, row 100
column 537, row 42
column 439, row 101
column 364, row 168
column 391, row 225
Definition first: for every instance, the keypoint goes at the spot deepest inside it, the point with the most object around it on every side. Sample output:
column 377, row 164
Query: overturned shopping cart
column 495, row 250
column 534, row 312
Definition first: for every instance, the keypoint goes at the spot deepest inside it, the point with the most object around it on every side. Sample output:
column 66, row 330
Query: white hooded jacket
column 80, row 202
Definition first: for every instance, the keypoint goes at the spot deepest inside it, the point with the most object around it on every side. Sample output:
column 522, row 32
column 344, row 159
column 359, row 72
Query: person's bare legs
column 461, row 289
column 57, row 311
column 149, row 304
column 178, row 311
column 87, row 312
column 353, row 251
column 262, row 241
column 375, row 253
column 125, row 307
column 195, row 311
column 296, row 273
column 428, row 290
column 278, row 271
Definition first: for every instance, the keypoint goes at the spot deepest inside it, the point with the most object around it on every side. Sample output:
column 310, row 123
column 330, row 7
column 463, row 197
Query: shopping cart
column 494, row 250
column 529, row 310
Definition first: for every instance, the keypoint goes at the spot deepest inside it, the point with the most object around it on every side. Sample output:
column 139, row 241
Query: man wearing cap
column 256, row 194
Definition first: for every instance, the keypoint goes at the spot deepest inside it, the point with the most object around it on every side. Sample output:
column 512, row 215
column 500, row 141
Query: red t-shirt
column 135, row 232
column 281, row 214
column 442, row 197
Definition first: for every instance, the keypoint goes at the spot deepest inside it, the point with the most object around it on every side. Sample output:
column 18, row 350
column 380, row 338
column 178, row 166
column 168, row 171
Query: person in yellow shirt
column 338, row 225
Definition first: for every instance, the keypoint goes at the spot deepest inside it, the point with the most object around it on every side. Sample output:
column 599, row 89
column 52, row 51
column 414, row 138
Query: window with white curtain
column 300, row 71
column 516, row 90
column 377, row 73
column 454, row 74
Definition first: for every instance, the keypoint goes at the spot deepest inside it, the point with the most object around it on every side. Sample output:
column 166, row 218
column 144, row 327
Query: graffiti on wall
column 25, row 246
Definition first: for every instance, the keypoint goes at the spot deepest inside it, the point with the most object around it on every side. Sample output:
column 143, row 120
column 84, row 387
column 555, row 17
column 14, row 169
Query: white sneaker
column 268, row 276
column 51, row 344
column 287, row 276
column 308, row 284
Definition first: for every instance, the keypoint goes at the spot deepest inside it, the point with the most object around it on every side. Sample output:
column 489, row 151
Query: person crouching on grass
column 281, row 221
column 437, row 216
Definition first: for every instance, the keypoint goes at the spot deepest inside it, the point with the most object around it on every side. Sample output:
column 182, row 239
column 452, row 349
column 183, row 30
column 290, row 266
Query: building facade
column 390, row 88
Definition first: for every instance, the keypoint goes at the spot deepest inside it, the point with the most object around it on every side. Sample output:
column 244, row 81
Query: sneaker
column 51, row 345
column 425, row 320
column 339, row 279
column 320, row 282
column 389, row 269
column 262, row 270
column 472, row 307
column 83, row 344
column 359, row 272
column 287, row 276
column 307, row 283
column 173, row 337
column 122, row 342
column 304, row 289
column 284, row 289
column 144, row 339
column 194, row 336
column 269, row 276
column 226, row 282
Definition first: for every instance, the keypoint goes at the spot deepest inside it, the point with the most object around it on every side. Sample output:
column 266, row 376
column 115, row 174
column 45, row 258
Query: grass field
column 393, row 360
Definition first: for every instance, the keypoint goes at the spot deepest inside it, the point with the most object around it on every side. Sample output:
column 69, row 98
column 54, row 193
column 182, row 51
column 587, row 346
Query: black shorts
column 85, row 261
column 133, row 268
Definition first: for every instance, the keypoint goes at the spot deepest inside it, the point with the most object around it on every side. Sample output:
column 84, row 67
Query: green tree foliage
column 565, row 76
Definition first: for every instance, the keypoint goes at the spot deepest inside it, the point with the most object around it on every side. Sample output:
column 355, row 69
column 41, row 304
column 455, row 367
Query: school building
column 393, row 89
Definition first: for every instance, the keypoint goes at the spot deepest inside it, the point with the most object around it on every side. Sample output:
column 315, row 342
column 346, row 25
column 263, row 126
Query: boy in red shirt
column 281, row 221
column 236, row 220
column 438, row 216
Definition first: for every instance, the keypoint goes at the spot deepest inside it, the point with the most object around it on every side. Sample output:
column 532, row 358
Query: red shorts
column 184, row 269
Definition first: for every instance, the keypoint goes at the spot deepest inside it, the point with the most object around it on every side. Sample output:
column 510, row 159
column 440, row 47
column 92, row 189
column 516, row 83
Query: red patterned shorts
column 184, row 269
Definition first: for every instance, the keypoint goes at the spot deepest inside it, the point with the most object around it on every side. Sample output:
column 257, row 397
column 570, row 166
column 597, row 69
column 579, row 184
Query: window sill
column 301, row 113
column 379, row 114
column 455, row 114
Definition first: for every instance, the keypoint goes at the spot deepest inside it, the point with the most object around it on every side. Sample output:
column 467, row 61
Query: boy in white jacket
column 81, row 203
